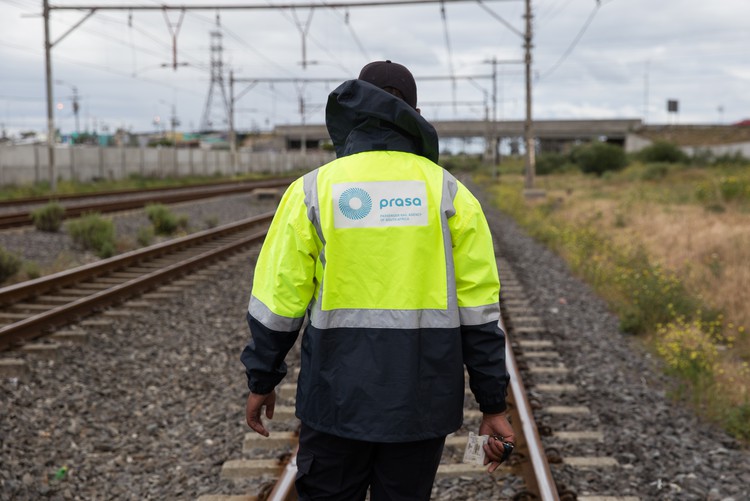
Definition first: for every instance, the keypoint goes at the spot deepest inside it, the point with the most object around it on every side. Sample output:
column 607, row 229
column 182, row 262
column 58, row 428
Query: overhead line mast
column 298, row 5
column 93, row 8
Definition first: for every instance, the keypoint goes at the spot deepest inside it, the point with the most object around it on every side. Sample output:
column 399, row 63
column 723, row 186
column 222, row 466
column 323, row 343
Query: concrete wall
column 29, row 164
column 635, row 143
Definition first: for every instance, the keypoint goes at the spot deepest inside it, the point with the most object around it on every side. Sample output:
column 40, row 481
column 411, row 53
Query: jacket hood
column 362, row 117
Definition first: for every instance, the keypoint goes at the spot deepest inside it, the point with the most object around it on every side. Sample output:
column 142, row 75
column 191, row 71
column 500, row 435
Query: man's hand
column 255, row 403
column 499, row 430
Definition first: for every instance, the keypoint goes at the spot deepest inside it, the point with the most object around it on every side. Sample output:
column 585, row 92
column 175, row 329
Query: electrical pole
column 50, row 112
column 530, row 161
column 232, row 132
column 493, row 139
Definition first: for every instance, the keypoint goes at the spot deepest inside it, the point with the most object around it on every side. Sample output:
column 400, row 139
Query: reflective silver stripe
column 275, row 322
column 479, row 315
column 310, row 187
column 450, row 186
column 384, row 319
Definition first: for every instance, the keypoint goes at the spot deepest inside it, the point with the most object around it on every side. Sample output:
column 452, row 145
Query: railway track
column 29, row 310
column 537, row 395
column 541, row 392
column 105, row 202
column 575, row 439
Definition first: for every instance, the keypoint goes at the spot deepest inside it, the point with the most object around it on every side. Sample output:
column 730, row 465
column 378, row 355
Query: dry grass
column 710, row 251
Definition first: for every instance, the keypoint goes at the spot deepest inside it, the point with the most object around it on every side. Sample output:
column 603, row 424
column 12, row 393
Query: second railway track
column 32, row 308
column 17, row 213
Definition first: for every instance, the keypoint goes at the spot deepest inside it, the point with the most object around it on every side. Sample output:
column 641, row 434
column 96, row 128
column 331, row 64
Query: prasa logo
column 400, row 202
column 355, row 203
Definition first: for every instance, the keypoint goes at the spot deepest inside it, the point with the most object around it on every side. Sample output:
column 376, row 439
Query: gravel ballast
column 152, row 405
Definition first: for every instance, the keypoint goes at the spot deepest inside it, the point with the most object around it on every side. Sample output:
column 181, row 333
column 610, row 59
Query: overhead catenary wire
column 133, row 26
column 575, row 41
column 500, row 18
column 348, row 24
column 312, row 38
column 239, row 39
column 268, row 5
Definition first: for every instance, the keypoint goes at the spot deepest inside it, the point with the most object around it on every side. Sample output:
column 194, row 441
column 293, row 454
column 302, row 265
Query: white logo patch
column 379, row 203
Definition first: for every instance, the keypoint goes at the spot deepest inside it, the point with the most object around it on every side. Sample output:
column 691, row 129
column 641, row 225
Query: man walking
column 391, row 259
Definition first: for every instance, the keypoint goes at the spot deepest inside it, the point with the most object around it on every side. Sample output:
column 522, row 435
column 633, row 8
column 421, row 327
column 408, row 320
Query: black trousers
column 332, row 468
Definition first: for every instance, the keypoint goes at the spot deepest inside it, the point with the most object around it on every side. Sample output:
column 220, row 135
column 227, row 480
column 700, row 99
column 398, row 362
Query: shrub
column 598, row 158
column 212, row 222
column 735, row 158
column 734, row 188
column 145, row 236
column 723, row 189
column 736, row 420
column 688, row 347
column 164, row 221
column 92, row 232
column 9, row 264
column 49, row 217
column 461, row 162
column 662, row 151
column 31, row 270
column 547, row 163
column 655, row 171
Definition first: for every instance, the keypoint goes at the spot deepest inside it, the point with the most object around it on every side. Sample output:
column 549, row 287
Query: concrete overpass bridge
column 551, row 134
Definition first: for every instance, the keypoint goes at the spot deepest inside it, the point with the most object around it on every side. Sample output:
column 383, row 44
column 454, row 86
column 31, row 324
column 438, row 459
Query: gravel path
column 151, row 406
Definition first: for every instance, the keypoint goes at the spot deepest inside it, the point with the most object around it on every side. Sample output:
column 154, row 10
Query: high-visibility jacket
column 392, row 260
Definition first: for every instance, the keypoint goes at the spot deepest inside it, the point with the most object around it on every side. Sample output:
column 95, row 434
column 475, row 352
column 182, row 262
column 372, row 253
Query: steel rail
column 128, row 191
column 184, row 194
column 31, row 288
column 284, row 489
column 35, row 325
column 538, row 478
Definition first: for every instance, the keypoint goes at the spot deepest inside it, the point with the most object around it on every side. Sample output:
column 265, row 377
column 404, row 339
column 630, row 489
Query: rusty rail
column 36, row 324
column 143, row 198
column 533, row 466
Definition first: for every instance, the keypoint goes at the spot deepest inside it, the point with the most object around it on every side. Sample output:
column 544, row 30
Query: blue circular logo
column 355, row 203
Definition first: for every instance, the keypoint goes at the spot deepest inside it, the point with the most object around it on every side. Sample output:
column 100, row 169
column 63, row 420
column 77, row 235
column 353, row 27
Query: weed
column 688, row 348
column 31, row 270
column 165, row 222
column 10, row 263
column 92, row 232
column 655, row 171
column 736, row 420
column 49, row 217
column 620, row 220
column 211, row 222
column 145, row 236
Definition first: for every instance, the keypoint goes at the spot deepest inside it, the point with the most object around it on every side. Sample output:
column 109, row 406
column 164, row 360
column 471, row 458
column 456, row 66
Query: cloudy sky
column 607, row 59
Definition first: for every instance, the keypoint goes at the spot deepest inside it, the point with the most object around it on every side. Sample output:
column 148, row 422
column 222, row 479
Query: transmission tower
column 217, row 80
